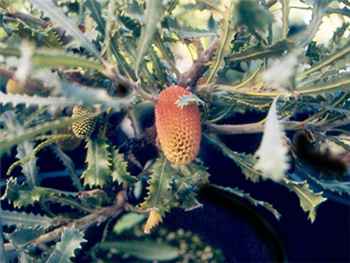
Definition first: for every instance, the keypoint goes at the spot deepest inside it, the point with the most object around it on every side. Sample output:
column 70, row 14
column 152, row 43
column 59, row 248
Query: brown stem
column 258, row 127
column 95, row 218
column 6, row 73
column 190, row 77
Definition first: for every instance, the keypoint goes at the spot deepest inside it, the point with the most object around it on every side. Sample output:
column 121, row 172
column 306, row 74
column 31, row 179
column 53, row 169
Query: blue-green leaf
column 58, row 17
column 153, row 15
column 144, row 249
column 64, row 250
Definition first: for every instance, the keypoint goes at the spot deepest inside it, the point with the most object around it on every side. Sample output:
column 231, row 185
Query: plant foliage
column 65, row 175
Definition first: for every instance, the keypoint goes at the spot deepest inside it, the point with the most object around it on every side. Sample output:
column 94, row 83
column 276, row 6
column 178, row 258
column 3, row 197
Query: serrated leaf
column 225, row 40
column 15, row 99
column 245, row 161
column 22, row 219
column 22, row 195
column 309, row 200
column 189, row 99
column 120, row 169
column 96, row 13
column 98, row 158
column 238, row 192
column 159, row 194
column 55, row 59
column 28, row 134
column 21, row 236
column 57, row 16
column 187, row 183
column 127, row 222
column 153, row 15
column 29, row 169
column 65, row 249
column 143, row 249
column 69, row 164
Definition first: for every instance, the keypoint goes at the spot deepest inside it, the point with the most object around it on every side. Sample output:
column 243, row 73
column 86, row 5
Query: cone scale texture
column 178, row 129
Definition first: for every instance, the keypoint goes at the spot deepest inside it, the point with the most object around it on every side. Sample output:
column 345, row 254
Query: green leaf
column 147, row 250
column 22, row 195
column 309, row 200
column 96, row 13
column 120, row 169
column 98, row 172
column 285, row 16
column 153, row 15
column 225, row 37
column 21, row 236
column 245, row 161
column 22, row 219
column 341, row 53
column 29, row 169
column 127, row 222
column 28, row 134
column 57, row 16
column 159, row 189
column 187, row 182
column 189, row 99
column 69, row 164
column 253, row 15
column 65, row 249
column 240, row 193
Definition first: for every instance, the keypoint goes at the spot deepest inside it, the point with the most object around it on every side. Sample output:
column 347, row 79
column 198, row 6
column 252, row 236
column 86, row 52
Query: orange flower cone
column 178, row 129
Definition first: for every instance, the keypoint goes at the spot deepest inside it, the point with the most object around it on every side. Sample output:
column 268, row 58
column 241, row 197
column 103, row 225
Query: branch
column 190, row 77
column 112, row 72
column 250, row 128
column 258, row 127
column 28, row 19
column 95, row 218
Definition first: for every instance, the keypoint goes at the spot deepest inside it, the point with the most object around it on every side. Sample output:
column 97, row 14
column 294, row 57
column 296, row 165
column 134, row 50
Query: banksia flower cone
column 178, row 128
column 84, row 127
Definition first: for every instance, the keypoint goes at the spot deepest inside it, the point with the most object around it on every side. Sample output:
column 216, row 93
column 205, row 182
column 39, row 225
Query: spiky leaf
column 65, row 249
column 159, row 193
column 21, row 194
column 153, row 15
column 309, row 200
column 58, row 17
column 128, row 221
column 98, row 171
column 240, row 193
column 120, row 172
column 11, row 218
column 245, row 161
column 21, row 236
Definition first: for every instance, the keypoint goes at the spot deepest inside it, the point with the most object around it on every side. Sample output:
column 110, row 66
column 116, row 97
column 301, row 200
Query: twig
column 190, row 77
column 112, row 73
column 95, row 218
column 28, row 19
column 258, row 127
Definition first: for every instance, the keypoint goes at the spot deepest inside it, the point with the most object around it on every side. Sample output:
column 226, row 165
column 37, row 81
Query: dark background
column 246, row 233
column 249, row 234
